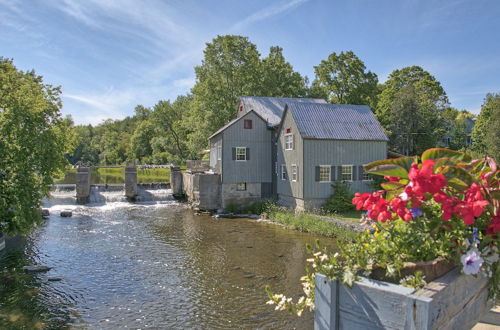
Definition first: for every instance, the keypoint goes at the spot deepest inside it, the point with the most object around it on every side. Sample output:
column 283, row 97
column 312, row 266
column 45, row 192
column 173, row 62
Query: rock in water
column 66, row 214
column 45, row 213
column 54, row 279
column 36, row 268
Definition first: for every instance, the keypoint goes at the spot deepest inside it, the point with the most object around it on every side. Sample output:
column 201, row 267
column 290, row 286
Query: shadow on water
column 25, row 300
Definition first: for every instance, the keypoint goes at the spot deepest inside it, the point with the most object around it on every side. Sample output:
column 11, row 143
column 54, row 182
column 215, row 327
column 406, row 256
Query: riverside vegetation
column 440, row 205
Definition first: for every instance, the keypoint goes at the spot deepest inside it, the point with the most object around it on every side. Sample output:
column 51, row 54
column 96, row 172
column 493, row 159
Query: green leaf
column 392, row 185
column 397, row 167
column 495, row 194
column 457, row 177
column 436, row 153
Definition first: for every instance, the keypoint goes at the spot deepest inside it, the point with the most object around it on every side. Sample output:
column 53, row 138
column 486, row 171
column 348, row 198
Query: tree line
column 411, row 105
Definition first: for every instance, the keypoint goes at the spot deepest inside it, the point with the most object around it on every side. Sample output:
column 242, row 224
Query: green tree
column 278, row 77
column 140, row 141
column 33, row 141
column 343, row 79
column 416, row 88
column 229, row 69
column 484, row 128
column 493, row 135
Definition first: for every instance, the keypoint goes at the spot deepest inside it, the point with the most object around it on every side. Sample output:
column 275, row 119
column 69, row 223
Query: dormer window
column 247, row 124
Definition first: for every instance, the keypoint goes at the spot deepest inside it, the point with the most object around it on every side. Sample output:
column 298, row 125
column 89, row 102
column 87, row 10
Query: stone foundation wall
column 299, row 204
column 230, row 195
column 202, row 189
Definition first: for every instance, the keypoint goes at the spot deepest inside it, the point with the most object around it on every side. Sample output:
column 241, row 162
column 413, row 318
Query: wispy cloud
column 267, row 13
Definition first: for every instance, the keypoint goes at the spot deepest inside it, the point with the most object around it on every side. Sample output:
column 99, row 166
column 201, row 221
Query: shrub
column 341, row 199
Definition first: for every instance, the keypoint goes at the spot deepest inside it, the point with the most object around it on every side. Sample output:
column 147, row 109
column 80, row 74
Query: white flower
column 323, row 257
column 403, row 196
column 472, row 262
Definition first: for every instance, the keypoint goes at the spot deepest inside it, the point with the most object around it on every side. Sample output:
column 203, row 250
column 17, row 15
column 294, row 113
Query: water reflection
column 140, row 266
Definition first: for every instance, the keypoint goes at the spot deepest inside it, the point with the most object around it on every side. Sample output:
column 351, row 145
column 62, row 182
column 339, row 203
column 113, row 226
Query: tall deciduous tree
column 278, row 77
column 33, row 140
column 343, row 79
column 230, row 68
column 485, row 132
column 428, row 101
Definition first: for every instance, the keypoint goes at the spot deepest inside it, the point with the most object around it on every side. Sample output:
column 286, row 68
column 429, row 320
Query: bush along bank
column 303, row 221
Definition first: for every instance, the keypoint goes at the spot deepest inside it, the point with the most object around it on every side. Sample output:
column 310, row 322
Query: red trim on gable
column 247, row 124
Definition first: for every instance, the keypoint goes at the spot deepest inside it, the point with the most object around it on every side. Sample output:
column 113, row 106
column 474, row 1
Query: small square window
column 241, row 108
column 294, row 173
column 247, row 124
column 241, row 153
column 241, row 186
column 324, row 173
column 346, row 172
column 288, row 130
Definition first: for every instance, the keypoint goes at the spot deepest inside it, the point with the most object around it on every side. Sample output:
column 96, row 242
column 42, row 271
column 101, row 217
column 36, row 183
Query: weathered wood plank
column 454, row 301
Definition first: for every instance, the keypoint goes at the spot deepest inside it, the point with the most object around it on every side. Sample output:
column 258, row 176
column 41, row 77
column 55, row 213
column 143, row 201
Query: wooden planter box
column 453, row 301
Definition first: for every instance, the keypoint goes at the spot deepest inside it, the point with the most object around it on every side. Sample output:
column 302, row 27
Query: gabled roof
column 223, row 128
column 336, row 121
column 271, row 108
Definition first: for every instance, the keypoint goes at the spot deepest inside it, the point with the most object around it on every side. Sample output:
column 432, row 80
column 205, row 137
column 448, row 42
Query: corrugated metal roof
column 271, row 108
column 336, row 121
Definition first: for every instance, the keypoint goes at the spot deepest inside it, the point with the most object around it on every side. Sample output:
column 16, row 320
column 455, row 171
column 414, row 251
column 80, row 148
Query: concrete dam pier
column 84, row 189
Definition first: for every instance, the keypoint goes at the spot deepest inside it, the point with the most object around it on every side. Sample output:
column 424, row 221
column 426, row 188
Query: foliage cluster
column 446, row 206
column 341, row 199
column 33, row 140
column 411, row 105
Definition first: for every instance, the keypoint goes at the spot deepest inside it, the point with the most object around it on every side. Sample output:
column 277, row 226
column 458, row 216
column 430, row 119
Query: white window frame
column 342, row 172
column 289, row 144
column 366, row 176
column 219, row 152
column 283, row 171
column 329, row 167
column 245, row 154
column 244, row 186
column 294, row 172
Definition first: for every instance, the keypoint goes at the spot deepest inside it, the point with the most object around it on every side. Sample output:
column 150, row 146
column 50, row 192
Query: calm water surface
column 151, row 266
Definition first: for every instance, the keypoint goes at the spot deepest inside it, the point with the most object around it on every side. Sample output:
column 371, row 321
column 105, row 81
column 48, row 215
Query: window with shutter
column 241, row 153
column 324, row 173
column 347, row 173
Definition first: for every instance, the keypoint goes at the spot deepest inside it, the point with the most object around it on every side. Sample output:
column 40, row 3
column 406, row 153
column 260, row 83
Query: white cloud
column 267, row 13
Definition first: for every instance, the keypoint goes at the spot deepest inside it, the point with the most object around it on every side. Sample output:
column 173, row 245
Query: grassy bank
column 303, row 221
column 117, row 175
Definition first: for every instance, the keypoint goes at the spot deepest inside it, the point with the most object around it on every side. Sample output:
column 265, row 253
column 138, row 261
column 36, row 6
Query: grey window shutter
column 293, row 141
column 317, row 173
column 354, row 173
column 361, row 170
column 339, row 173
column 234, row 153
column 248, row 153
column 297, row 172
column 332, row 173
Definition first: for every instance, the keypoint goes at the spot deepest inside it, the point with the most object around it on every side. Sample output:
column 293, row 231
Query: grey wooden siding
column 337, row 153
column 215, row 163
column 289, row 157
column 258, row 139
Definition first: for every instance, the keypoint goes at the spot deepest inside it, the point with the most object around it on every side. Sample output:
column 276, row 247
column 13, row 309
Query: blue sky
column 110, row 55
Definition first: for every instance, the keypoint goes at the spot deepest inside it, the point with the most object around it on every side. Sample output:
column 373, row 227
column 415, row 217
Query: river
column 151, row 265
